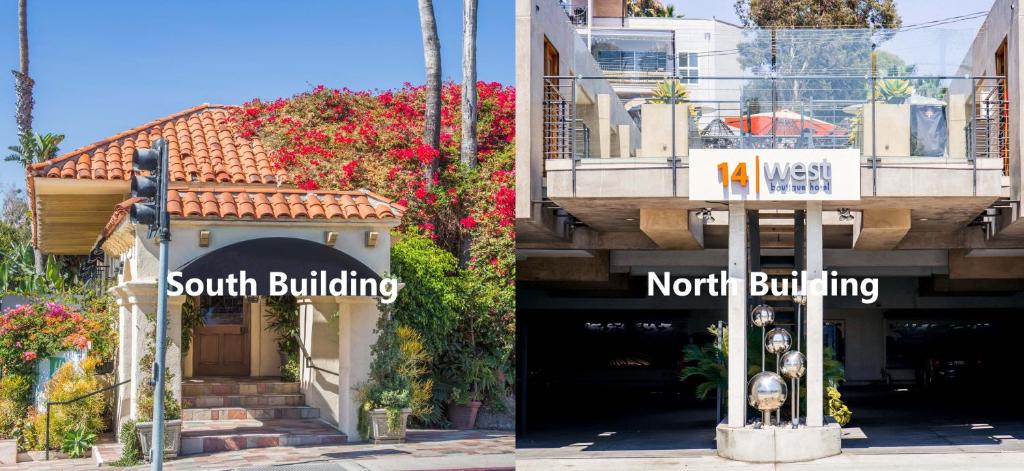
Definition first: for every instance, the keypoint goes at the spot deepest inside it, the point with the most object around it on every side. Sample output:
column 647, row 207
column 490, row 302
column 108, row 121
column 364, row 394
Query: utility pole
column 153, row 213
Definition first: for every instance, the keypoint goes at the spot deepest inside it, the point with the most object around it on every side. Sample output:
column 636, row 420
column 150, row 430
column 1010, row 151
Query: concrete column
column 141, row 298
column 604, row 125
column 122, row 409
column 737, row 402
column 320, row 319
column 173, row 358
column 815, row 318
column 356, row 328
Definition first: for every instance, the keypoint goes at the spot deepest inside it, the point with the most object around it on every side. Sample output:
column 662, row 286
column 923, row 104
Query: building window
column 687, row 67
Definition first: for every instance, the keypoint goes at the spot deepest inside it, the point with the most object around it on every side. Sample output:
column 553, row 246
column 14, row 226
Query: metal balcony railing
column 952, row 117
column 576, row 10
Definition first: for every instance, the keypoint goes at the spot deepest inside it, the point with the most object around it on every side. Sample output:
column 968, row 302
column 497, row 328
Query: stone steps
column 237, row 387
column 223, row 414
column 210, row 436
column 242, row 400
column 244, row 413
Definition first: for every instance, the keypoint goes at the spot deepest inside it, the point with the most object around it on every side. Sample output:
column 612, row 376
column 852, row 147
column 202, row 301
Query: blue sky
column 103, row 67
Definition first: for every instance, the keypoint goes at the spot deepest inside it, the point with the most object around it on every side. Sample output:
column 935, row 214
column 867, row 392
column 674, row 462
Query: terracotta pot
column 463, row 416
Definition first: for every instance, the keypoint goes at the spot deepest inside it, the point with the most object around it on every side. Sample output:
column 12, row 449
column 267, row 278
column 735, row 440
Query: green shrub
column 77, row 442
column 15, row 397
column 290, row 370
column 131, row 449
column 68, row 383
column 399, row 374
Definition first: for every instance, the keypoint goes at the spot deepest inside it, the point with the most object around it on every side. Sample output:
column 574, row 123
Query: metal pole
column 572, row 148
column 672, row 101
column 778, row 412
column 157, row 453
column 47, row 432
column 795, row 400
column 974, row 134
column 874, row 122
column 718, row 390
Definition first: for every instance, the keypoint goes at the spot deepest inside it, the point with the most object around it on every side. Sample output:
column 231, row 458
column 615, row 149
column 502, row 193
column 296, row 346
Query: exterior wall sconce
column 371, row 238
column 204, row 238
column 330, row 238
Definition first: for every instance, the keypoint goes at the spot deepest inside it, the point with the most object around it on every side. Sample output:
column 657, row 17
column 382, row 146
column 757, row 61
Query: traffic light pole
column 159, row 367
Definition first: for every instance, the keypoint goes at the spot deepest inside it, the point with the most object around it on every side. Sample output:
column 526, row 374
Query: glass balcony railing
column 887, row 93
column 901, row 116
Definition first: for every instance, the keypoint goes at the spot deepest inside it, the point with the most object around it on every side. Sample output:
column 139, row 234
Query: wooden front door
column 222, row 342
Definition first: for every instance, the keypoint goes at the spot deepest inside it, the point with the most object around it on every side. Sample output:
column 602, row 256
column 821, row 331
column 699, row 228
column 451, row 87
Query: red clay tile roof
column 247, row 203
column 202, row 147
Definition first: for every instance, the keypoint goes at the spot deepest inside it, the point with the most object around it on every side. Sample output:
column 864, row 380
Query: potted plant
column 656, row 120
column 887, row 131
column 399, row 385
column 478, row 377
column 464, row 408
column 389, row 416
column 172, row 410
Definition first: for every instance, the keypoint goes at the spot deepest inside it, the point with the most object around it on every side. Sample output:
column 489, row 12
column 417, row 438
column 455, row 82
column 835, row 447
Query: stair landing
column 223, row 414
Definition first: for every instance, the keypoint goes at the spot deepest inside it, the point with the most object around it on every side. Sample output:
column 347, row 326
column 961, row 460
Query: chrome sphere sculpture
column 768, row 392
column 762, row 315
column 792, row 365
column 777, row 341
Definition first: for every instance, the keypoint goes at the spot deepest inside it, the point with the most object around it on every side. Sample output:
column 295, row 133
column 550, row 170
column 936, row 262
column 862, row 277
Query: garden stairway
column 222, row 414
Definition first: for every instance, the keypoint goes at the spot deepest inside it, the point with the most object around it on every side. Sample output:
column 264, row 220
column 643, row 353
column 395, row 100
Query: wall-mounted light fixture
column 371, row 238
column 204, row 238
column 330, row 238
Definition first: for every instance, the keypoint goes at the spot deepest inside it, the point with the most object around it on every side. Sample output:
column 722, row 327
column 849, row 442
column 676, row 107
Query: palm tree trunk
column 432, row 61
column 23, row 89
column 469, row 96
column 22, row 82
column 469, row 107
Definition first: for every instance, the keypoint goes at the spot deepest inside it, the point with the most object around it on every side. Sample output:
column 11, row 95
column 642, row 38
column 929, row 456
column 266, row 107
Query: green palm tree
column 35, row 148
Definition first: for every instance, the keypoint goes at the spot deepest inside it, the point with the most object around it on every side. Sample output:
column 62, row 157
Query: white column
column 737, row 403
column 124, row 357
column 356, row 327
column 172, row 358
column 815, row 319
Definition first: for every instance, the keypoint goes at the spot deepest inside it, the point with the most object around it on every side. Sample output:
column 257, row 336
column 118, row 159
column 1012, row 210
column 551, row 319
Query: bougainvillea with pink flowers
column 329, row 139
column 32, row 331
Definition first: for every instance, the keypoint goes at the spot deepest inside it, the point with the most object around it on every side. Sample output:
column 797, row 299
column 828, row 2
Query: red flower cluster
column 30, row 331
column 342, row 139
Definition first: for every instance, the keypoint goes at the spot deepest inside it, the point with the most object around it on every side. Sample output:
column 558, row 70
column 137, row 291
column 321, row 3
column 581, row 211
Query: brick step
column 258, row 413
column 242, row 400
column 205, row 387
column 202, row 436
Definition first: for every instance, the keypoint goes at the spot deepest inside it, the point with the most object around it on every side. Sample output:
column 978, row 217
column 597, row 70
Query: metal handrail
column 71, row 401
column 308, row 360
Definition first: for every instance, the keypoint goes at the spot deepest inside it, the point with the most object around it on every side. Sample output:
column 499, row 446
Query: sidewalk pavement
column 970, row 461
column 476, row 450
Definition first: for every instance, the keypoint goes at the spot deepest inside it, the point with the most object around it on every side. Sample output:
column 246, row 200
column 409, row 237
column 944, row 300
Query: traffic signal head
column 148, row 187
column 147, row 159
column 144, row 213
column 145, row 186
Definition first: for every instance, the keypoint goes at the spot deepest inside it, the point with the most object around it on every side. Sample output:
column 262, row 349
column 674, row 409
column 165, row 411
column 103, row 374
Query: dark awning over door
column 296, row 258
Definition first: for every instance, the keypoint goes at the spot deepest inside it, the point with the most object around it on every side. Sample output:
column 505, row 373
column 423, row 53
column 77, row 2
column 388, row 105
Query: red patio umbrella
column 787, row 123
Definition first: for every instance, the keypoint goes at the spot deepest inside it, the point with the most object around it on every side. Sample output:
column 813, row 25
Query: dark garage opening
column 610, row 380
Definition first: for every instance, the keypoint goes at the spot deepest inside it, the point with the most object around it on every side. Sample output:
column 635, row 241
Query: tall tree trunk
column 469, row 96
column 23, row 90
column 432, row 61
column 22, row 82
column 469, row 107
